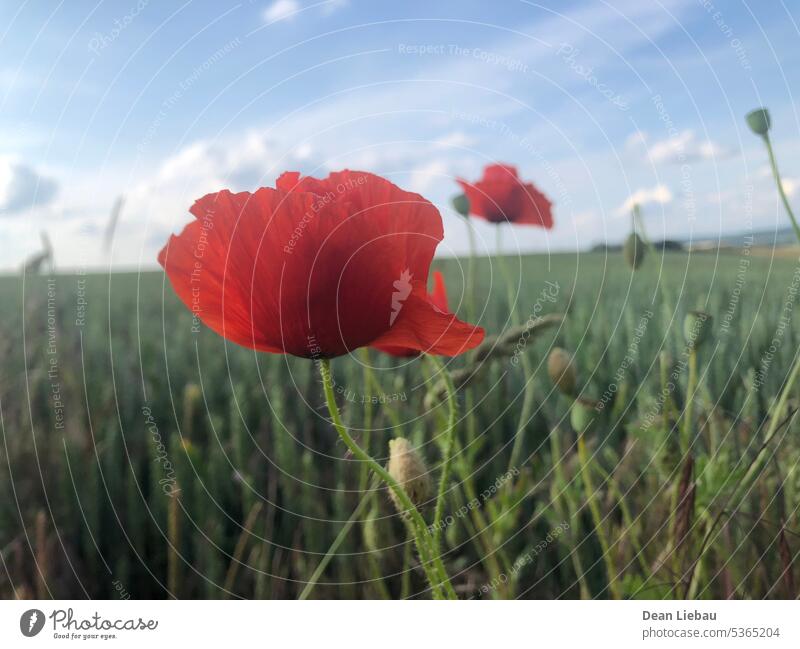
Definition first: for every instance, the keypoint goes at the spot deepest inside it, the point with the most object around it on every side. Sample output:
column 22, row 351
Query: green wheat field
column 142, row 459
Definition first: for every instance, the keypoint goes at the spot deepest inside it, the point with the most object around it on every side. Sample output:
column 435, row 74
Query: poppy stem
column 431, row 564
column 447, row 451
column 471, row 273
column 527, row 370
column 776, row 174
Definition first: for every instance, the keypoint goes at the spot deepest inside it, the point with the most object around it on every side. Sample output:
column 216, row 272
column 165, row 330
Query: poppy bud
column 634, row 250
column 562, row 371
column 582, row 415
column 697, row 328
column 759, row 122
column 461, row 204
column 408, row 468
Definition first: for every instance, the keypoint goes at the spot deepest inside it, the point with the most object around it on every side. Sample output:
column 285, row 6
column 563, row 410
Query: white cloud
column 334, row 5
column 425, row 176
column 279, row 10
column 683, row 147
column 659, row 194
column 790, row 186
column 456, row 139
column 22, row 187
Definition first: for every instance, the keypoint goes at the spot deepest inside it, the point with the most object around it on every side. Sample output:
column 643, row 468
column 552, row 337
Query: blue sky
column 597, row 103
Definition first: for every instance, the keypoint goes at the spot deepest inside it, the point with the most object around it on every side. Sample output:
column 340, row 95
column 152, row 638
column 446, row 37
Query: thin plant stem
column 405, row 580
column 594, row 509
column 627, row 517
column 470, row 287
column 367, row 372
column 469, row 394
column 241, row 546
column 447, row 452
column 340, row 537
column 745, row 484
column 374, row 387
column 527, row 370
column 560, row 483
column 431, row 564
column 776, row 174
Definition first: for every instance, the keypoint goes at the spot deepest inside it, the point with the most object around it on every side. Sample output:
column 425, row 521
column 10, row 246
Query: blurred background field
column 143, row 460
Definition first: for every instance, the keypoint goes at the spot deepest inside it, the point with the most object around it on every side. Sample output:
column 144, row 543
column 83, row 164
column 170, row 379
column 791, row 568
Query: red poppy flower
column 439, row 300
column 316, row 268
column 502, row 196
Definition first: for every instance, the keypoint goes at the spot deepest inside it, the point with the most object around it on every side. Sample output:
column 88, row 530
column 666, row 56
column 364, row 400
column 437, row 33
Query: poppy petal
column 421, row 326
column 310, row 268
column 439, row 293
column 501, row 196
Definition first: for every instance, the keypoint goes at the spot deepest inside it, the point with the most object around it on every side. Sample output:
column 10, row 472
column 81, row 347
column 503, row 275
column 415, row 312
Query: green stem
column 432, row 565
column 594, row 509
column 754, row 470
column 776, row 174
column 470, row 297
column 627, row 517
column 340, row 537
column 562, row 488
column 367, row 371
column 405, row 580
column 775, row 421
column 447, row 452
column 527, row 370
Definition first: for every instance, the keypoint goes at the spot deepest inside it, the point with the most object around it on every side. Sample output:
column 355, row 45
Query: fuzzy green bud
column 561, row 371
column 408, row 468
column 461, row 204
column 634, row 250
column 697, row 328
column 759, row 122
